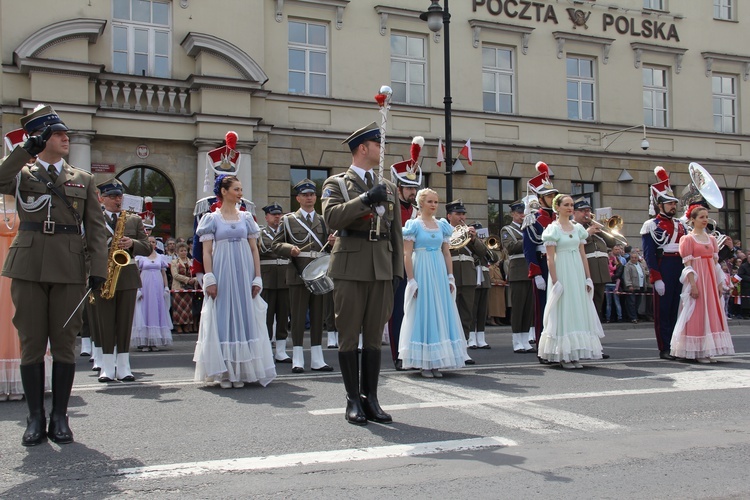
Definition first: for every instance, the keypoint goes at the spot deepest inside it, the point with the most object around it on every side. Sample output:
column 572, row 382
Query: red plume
column 416, row 148
column 661, row 174
column 542, row 167
column 231, row 139
column 380, row 98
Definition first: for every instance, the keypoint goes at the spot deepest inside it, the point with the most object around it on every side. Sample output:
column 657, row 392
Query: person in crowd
column 367, row 264
column 47, row 266
column 233, row 346
column 407, row 175
column 432, row 337
column 619, row 253
column 571, row 325
column 496, row 306
column 521, row 293
column 648, row 289
column 611, row 289
column 701, row 331
column 182, row 279
column 301, row 237
column 170, row 248
column 539, row 215
column 661, row 238
column 111, row 319
column 635, row 283
column 275, row 289
column 744, row 273
column 464, row 269
column 152, row 326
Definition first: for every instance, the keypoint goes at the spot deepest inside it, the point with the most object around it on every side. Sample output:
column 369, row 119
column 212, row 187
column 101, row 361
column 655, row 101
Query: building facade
column 150, row 86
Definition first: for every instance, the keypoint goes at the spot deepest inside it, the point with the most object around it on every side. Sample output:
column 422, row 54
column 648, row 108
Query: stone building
column 149, row 86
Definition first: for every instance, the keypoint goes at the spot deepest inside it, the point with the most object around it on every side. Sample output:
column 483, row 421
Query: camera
column 644, row 144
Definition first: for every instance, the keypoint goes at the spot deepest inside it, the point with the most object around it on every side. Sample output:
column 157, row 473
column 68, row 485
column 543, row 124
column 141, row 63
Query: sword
column 77, row 307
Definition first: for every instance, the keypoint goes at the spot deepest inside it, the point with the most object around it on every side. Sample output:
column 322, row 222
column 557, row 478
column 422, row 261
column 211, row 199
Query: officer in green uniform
column 367, row 263
column 273, row 269
column 60, row 221
column 112, row 319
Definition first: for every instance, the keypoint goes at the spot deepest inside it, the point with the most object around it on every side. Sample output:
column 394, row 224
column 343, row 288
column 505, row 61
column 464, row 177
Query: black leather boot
column 62, row 383
column 32, row 377
column 368, row 393
column 349, row 362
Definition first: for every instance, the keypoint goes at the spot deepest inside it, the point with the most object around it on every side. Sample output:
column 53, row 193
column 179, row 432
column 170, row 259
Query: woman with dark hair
column 701, row 331
column 182, row 279
column 233, row 345
column 571, row 326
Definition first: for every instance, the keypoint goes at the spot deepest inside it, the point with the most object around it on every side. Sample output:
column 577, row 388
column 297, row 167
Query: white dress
column 233, row 339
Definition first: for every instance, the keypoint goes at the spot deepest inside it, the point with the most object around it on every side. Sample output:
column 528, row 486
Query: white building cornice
column 477, row 25
column 386, row 11
column 710, row 57
column 338, row 5
column 639, row 48
column 195, row 43
column 53, row 34
column 604, row 43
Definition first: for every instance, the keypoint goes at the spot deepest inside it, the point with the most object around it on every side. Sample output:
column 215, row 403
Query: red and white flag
column 440, row 153
column 466, row 151
column 14, row 138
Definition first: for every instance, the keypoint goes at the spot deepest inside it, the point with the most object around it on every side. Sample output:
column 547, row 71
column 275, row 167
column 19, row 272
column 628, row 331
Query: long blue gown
column 431, row 333
column 233, row 339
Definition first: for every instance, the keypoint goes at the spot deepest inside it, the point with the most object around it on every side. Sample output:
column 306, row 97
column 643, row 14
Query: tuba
column 460, row 238
column 116, row 260
column 703, row 189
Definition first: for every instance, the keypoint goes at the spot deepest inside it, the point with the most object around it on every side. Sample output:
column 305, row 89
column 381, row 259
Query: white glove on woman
column 208, row 280
column 166, row 291
column 451, row 283
column 659, row 287
column 539, row 282
column 589, row 284
column 139, row 295
column 413, row 283
column 258, row 281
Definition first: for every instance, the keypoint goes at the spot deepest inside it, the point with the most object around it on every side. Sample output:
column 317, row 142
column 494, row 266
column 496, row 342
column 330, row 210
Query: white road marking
column 312, row 458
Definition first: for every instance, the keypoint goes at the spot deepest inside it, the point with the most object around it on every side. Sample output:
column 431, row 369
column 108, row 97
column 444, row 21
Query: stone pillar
column 80, row 149
column 203, row 146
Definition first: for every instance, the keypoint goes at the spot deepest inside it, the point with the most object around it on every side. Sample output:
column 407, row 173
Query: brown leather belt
column 50, row 227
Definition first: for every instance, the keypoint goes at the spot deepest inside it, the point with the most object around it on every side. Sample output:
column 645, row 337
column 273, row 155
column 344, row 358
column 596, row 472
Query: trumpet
column 611, row 227
column 492, row 242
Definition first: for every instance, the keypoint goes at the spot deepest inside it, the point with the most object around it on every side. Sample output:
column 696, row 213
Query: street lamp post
column 438, row 18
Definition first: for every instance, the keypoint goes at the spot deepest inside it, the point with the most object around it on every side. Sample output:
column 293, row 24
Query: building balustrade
column 150, row 95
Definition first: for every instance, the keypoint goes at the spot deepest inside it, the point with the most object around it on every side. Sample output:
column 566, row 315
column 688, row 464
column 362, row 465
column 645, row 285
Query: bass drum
column 315, row 276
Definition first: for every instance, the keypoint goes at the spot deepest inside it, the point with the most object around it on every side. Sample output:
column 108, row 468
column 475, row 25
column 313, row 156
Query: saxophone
column 116, row 260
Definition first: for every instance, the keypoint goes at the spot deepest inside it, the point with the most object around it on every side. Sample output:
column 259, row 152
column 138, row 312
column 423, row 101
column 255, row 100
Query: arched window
column 142, row 180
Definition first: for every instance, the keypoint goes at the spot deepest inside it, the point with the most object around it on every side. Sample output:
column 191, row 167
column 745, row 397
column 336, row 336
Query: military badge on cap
column 408, row 172
column 42, row 117
column 517, row 206
column 305, row 186
column 111, row 187
column 370, row 132
column 273, row 209
column 456, row 206
column 581, row 204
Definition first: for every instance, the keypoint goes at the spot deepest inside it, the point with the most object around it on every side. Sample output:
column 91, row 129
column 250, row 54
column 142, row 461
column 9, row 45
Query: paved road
column 632, row 426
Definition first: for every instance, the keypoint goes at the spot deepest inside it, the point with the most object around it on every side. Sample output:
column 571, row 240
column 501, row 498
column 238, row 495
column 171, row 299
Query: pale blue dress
column 431, row 334
column 571, row 327
column 233, row 339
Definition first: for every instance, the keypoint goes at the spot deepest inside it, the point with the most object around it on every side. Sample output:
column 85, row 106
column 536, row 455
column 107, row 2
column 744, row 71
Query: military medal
column 75, row 204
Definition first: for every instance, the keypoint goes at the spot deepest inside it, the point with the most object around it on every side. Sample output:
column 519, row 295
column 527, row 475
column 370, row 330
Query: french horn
column 460, row 238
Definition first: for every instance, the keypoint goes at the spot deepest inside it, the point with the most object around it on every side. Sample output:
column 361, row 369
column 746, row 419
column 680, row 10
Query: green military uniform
column 310, row 236
column 364, row 262
column 273, row 270
column 47, row 263
column 482, row 261
column 112, row 320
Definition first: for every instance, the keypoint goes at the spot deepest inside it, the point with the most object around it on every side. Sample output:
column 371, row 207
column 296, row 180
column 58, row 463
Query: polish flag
column 466, row 151
column 440, row 153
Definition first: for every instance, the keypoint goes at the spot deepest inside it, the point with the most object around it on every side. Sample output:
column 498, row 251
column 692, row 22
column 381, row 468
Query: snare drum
column 315, row 276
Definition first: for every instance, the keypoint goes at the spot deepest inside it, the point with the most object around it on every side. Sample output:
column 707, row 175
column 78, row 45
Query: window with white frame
column 724, row 9
column 655, row 97
column 580, row 88
column 408, row 69
column 308, row 58
column 141, row 37
column 498, row 87
column 724, row 90
column 654, row 4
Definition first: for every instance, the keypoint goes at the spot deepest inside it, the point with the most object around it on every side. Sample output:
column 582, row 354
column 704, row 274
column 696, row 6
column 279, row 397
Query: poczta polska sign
column 539, row 12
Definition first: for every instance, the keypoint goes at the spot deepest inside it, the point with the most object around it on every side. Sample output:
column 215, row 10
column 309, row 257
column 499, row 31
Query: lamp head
column 433, row 16
column 644, row 144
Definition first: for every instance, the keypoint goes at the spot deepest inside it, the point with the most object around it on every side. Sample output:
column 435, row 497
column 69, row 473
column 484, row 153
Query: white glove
column 166, row 291
column 413, row 283
column 539, row 282
column 451, row 282
column 659, row 287
column 208, row 280
column 139, row 295
column 589, row 284
column 258, row 281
